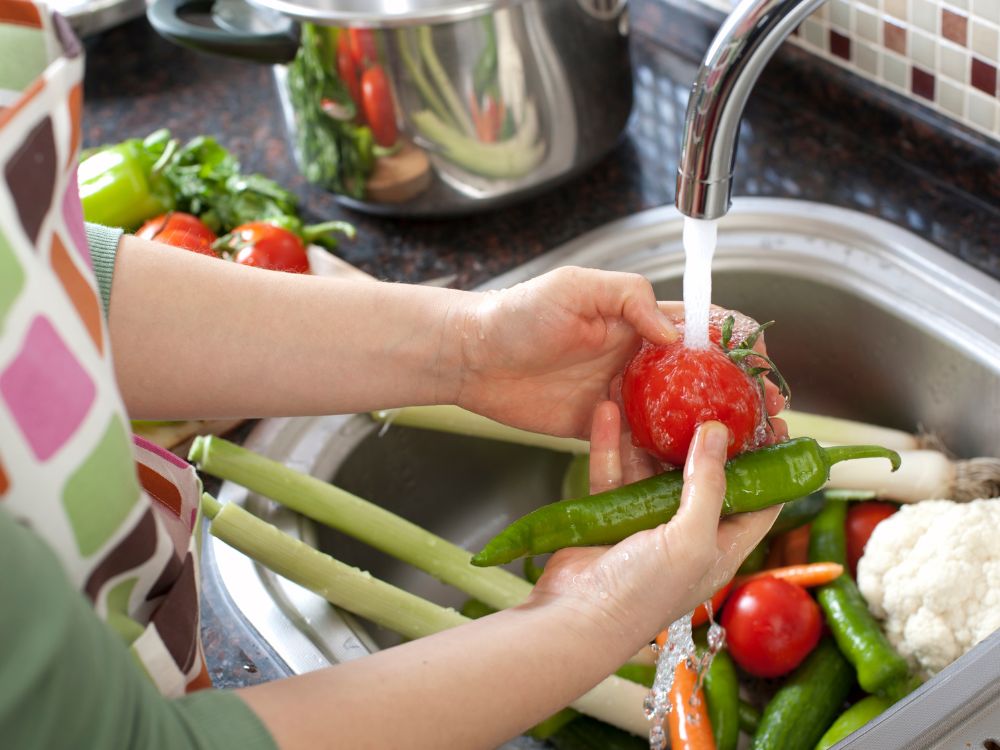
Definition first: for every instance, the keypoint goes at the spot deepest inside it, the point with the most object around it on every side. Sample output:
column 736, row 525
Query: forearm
column 471, row 687
column 194, row 337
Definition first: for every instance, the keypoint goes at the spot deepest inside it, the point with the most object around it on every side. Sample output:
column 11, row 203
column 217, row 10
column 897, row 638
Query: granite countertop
column 811, row 132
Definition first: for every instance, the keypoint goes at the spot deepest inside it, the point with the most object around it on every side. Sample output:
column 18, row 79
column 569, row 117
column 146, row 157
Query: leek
column 615, row 700
column 846, row 431
column 365, row 521
column 456, row 420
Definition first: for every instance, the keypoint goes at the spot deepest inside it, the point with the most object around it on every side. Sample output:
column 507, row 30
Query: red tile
column 840, row 45
column 922, row 83
column 894, row 37
column 984, row 76
column 954, row 26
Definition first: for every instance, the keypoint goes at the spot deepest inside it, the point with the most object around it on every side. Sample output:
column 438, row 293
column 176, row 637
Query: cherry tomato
column 862, row 518
column 376, row 97
column 180, row 230
column 771, row 626
column 265, row 245
column 348, row 70
column 364, row 50
column 668, row 390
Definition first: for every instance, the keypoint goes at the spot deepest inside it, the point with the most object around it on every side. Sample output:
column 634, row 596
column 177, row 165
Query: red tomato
column 268, row 246
column 771, row 626
column 348, row 70
column 376, row 97
column 364, row 50
column 180, row 230
column 862, row 518
column 668, row 390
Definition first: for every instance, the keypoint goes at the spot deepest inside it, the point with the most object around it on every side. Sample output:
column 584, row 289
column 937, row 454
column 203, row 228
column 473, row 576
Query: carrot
column 700, row 614
column 776, row 552
column 808, row 575
column 690, row 727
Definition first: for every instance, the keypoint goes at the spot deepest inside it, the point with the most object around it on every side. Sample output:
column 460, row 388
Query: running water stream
column 699, row 248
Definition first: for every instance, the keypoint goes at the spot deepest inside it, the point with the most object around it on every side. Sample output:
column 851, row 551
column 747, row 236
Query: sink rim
column 845, row 249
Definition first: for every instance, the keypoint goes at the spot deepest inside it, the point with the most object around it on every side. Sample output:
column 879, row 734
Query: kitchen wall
column 940, row 53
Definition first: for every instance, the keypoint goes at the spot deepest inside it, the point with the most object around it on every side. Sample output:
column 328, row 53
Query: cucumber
column 722, row 697
column 853, row 719
column 797, row 513
column 800, row 712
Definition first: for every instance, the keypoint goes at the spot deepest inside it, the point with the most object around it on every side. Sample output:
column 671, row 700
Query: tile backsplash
column 941, row 53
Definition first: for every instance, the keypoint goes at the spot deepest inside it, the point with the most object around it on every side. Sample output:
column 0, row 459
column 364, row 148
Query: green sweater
column 67, row 681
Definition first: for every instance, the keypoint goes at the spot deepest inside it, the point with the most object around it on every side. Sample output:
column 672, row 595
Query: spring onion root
column 358, row 518
column 615, row 700
column 461, row 422
column 924, row 475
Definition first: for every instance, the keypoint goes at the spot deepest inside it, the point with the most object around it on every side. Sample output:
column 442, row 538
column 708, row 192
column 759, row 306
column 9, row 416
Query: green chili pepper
column 722, row 696
column 754, row 480
column 749, row 717
column 857, row 633
column 853, row 719
column 118, row 188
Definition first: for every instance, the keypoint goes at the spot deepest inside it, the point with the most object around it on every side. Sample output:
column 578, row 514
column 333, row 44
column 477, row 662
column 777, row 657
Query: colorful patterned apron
column 119, row 513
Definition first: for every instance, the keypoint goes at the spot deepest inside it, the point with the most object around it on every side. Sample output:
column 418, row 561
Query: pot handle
column 275, row 45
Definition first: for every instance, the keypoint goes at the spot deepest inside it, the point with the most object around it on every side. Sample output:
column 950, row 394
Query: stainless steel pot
column 431, row 107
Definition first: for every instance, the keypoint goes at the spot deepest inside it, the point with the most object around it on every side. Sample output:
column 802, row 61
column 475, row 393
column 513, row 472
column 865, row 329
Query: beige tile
column 960, row 5
column 897, row 9
column 923, row 50
column 821, row 13
column 815, row 34
column 871, row 4
column 985, row 40
column 982, row 110
column 951, row 97
column 840, row 15
column 986, row 10
column 866, row 24
column 954, row 62
column 926, row 15
column 895, row 70
column 866, row 58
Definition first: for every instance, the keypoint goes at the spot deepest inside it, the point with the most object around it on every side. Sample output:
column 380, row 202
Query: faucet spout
column 746, row 41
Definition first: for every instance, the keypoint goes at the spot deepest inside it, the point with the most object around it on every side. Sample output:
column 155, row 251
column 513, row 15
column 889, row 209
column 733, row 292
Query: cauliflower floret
column 931, row 572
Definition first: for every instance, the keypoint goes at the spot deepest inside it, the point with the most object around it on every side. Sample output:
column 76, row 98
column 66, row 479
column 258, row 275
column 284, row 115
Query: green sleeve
column 103, row 242
column 67, row 681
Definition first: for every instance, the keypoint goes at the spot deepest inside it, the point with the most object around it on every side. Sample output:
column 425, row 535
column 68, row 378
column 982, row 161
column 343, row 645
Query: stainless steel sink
column 873, row 323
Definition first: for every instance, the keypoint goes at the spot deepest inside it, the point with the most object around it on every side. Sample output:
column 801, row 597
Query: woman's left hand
column 540, row 355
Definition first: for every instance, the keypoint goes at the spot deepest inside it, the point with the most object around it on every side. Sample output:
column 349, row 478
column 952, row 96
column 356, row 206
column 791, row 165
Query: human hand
column 652, row 578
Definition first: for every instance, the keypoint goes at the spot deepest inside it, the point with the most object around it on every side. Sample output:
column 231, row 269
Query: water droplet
column 657, row 738
column 649, row 706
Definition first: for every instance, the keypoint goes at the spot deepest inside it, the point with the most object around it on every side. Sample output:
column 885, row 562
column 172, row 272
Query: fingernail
column 716, row 437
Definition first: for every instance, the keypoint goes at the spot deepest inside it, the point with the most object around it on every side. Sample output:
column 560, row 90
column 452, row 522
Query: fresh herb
column 333, row 152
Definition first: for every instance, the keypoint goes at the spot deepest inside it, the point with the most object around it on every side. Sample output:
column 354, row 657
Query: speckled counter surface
column 808, row 134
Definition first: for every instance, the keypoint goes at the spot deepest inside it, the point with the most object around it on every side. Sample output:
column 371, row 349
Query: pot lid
column 382, row 13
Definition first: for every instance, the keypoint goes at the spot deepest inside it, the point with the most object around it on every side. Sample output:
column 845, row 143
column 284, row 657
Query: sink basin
column 873, row 323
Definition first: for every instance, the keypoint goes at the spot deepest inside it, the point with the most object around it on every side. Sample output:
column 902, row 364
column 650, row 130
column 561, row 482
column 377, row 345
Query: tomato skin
column 180, row 230
column 265, row 245
column 862, row 518
column 771, row 626
column 363, row 48
column 668, row 390
column 376, row 97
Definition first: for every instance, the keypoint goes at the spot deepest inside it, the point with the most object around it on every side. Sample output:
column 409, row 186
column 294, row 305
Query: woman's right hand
column 643, row 583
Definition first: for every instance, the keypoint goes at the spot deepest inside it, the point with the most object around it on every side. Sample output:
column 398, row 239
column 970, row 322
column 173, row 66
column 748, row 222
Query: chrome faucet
column 747, row 40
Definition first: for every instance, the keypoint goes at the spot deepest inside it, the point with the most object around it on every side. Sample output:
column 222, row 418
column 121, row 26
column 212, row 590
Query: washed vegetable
column 587, row 734
column 119, row 186
column 701, row 612
column 380, row 112
column 797, row 513
column 806, row 576
column 332, row 150
column 265, row 245
column 853, row 719
column 356, row 517
column 845, row 431
column 931, row 573
column 771, row 626
column 925, row 475
column 690, row 727
column 858, row 635
column 792, row 547
column 862, row 518
column 722, row 698
column 615, row 700
column 749, row 717
column 802, row 709
column 754, row 480
column 180, row 230
column 669, row 389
